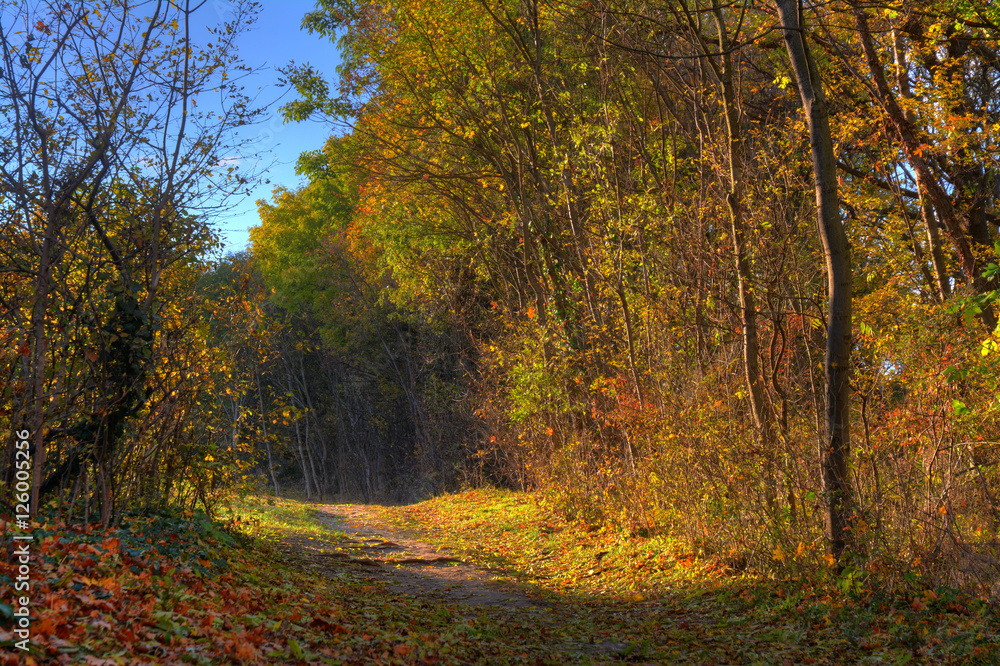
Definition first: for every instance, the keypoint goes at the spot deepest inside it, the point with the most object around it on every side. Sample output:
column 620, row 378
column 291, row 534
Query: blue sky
column 274, row 41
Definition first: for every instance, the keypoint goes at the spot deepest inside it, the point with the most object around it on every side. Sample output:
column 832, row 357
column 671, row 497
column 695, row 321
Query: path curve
column 370, row 548
column 383, row 552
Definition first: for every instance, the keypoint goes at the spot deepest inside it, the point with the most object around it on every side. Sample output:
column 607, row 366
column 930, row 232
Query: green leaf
column 953, row 374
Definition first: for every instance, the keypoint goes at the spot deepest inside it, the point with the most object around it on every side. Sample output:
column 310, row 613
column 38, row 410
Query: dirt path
column 377, row 551
column 362, row 545
column 572, row 622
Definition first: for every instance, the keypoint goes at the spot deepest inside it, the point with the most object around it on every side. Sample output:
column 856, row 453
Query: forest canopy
column 724, row 271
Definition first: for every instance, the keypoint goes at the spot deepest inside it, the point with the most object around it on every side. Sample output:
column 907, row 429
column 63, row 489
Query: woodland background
column 582, row 248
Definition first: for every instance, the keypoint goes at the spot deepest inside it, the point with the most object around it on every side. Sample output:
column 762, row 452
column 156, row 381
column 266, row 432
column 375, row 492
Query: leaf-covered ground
column 289, row 589
column 667, row 606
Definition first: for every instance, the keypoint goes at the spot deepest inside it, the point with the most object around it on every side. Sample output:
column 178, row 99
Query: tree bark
column 941, row 283
column 38, row 328
column 836, row 444
column 267, row 443
column 762, row 414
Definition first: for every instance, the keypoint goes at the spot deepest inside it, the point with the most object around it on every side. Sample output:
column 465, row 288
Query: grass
column 177, row 589
column 272, row 519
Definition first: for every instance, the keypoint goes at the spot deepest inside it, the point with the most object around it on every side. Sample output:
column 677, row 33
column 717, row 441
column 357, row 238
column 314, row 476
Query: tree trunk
column 40, row 357
column 302, row 459
column 941, row 283
column 836, row 444
column 319, row 432
column 312, row 462
column 267, row 443
column 762, row 414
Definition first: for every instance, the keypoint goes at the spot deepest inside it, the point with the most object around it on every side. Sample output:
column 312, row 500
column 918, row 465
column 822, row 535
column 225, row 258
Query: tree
column 835, row 448
column 617, row 199
column 362, row 382
column 963, row 211
column 104, row 160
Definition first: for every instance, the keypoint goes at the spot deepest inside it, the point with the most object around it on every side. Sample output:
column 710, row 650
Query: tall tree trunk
column 836, row 445
column 762, row 414
column 302, row 459
column 312, row 462
column 941, row 283
column 319, row 432
column 40, row 356
column 267, row 443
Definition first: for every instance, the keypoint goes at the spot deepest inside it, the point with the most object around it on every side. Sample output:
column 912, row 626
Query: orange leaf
column 45, row 626
column 112, row 544
column 245, row 651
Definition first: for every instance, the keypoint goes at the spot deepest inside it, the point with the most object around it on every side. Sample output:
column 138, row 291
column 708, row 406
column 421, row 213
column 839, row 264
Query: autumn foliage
column 566, row 247
column 611, row 207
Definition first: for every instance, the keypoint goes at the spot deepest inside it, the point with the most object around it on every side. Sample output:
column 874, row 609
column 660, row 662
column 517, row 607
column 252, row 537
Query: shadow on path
column 381, row 552
column 372, row 550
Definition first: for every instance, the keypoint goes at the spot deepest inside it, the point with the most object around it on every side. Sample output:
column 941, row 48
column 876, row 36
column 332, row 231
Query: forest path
column 535, row 588
column 383, row 552
column 368, row 547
